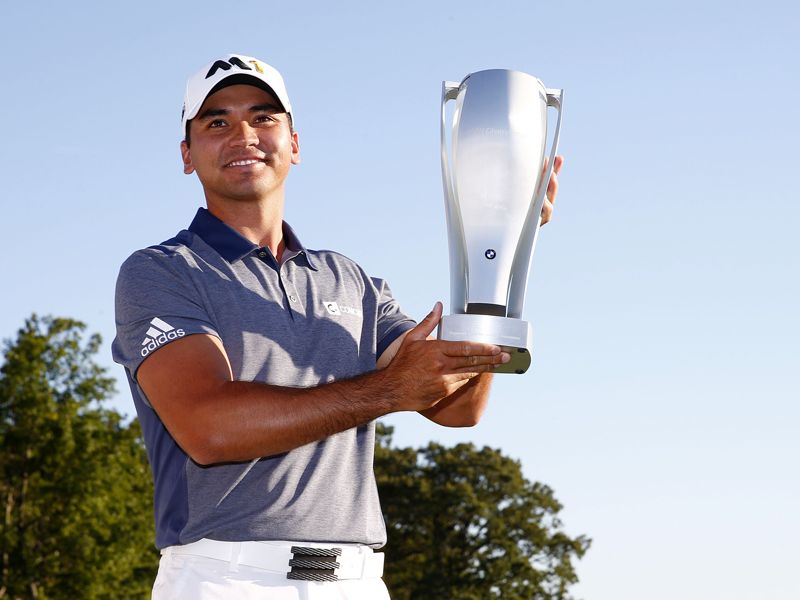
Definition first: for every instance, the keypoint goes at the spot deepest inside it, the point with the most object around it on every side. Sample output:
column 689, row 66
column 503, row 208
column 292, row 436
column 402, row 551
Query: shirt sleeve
column 392, row 321
column 156, row 303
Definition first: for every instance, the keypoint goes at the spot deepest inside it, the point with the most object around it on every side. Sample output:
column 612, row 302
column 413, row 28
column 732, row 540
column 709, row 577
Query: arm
column 215, row 419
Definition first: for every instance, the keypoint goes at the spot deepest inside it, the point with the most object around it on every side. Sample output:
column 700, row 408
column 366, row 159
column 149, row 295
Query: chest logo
column 335, row 309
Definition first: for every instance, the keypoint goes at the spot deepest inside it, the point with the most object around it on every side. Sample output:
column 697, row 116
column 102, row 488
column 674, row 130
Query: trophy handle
column 530, row 231
column 455, row 235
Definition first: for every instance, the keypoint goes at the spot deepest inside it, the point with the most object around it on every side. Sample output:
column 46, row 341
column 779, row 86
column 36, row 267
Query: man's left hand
column 552, row 188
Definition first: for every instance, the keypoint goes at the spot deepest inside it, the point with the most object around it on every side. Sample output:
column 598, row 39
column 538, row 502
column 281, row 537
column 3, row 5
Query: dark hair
column 188, row 138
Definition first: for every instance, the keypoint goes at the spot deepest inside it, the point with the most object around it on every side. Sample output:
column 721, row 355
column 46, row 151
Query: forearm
column 465, row 406
column 240, row 420
column 215, row 418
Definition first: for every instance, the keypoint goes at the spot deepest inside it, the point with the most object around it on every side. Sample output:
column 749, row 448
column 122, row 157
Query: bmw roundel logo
column 490, row 254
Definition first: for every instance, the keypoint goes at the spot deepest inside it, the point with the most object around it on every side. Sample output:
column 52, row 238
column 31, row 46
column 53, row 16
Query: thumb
column 427, row 325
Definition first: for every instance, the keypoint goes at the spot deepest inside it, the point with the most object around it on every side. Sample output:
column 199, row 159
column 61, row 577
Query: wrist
column 383, row 391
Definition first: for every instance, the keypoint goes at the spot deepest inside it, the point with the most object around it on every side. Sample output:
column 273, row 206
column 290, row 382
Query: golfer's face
column 241, row 145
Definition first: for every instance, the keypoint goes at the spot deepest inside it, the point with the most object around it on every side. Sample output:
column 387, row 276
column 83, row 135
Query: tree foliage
column 464, row 524
column 75, row 488
column 76, row 496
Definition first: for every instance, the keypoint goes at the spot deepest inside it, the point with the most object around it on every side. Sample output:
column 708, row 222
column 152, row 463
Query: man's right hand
column 424, row 371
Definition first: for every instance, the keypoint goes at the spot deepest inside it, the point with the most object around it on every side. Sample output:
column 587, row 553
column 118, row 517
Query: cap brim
column 243, row 79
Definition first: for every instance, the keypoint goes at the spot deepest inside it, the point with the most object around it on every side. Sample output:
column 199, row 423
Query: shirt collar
column 233, row 246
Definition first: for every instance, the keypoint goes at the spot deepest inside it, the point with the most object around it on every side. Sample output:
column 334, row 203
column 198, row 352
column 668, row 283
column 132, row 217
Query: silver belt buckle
column 314, row 564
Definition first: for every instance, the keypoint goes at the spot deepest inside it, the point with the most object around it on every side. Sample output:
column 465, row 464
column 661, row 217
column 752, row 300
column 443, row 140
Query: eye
column 216, row 123
column 264, row 119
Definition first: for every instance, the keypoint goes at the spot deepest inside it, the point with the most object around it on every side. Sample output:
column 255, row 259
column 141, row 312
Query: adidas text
column 159, row 333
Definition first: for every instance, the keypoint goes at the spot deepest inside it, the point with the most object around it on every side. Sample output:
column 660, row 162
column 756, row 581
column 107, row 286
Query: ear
column 186, row 156
column 295, row 149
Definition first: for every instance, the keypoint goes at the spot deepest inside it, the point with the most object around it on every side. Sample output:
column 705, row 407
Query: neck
column 260, row 222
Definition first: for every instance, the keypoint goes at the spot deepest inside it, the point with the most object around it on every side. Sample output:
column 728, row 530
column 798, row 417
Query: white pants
column 189, row 577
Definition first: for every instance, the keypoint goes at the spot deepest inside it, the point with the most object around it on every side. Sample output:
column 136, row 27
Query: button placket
column 293, row 297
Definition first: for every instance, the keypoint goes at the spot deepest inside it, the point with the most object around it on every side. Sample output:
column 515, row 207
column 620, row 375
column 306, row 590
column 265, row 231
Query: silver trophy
column 494, row 193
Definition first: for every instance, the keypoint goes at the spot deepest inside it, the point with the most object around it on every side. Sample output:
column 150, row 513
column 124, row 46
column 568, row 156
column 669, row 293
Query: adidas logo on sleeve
column 159, row 333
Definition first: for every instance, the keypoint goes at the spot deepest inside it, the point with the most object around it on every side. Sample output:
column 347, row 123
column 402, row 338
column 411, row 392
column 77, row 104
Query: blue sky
column 661, row 406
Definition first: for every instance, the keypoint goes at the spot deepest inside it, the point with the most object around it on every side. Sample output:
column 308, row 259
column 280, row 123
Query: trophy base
column 513, row 335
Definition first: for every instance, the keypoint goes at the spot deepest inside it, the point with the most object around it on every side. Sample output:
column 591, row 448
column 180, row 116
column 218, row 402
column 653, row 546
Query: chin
column 255, row 194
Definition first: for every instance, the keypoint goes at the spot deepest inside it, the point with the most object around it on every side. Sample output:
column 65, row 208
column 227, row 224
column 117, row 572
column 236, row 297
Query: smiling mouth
column 245, row 162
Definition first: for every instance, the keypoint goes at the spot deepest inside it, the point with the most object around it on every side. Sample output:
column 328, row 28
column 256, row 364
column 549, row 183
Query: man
column 258, row 367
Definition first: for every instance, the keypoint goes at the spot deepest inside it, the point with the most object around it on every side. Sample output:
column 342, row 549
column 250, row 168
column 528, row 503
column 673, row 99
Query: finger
column 427, row 325
column 547, row 211
column 482, row 363
column 475, row 370
column 552, row 188
column 459, row 349
column 456, row 380
column 552, row 184
column 451, row 387
column 552, row 191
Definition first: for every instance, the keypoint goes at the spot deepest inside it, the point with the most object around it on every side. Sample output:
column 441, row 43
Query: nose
column 244, row 135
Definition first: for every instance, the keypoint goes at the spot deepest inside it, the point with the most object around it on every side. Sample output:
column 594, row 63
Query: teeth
column 242, row 163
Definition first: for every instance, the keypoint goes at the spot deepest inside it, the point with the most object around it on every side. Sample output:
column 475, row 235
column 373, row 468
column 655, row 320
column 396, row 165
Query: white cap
column 231, row 70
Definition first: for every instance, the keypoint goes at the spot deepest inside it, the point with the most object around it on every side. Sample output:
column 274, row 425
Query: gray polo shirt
column 315, row 318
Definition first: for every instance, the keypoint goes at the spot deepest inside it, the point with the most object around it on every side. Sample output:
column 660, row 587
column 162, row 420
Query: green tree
column 75, row 487
column 464, row 524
